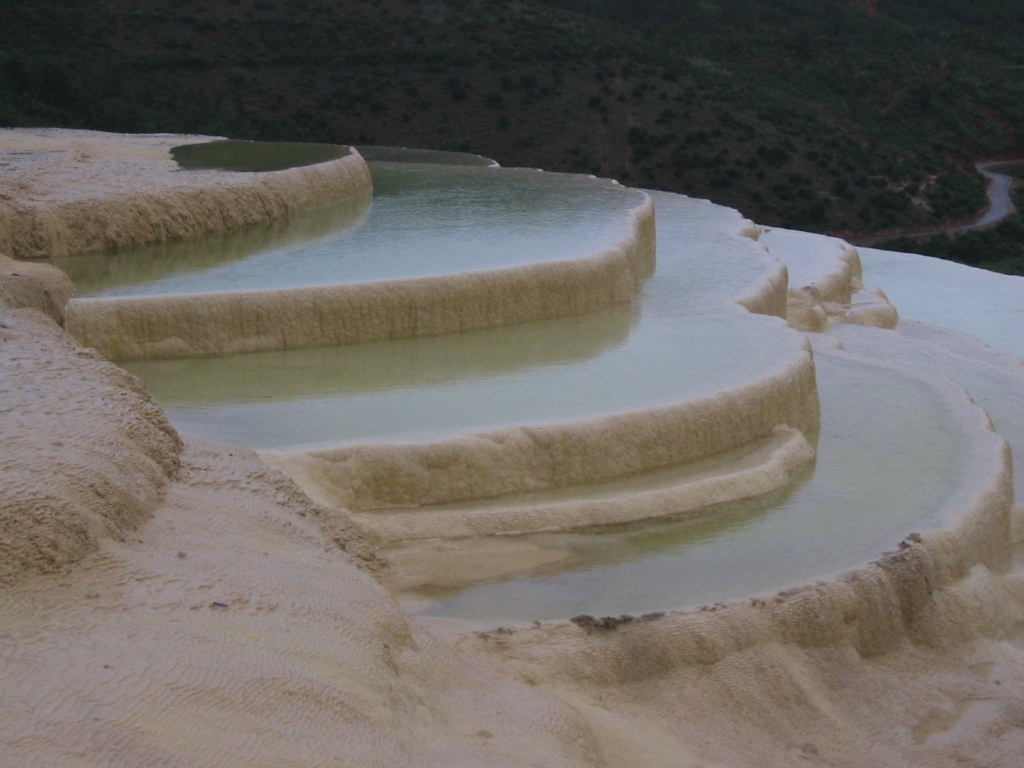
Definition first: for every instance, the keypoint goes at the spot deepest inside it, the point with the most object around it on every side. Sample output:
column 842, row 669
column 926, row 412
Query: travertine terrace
column 171, row 600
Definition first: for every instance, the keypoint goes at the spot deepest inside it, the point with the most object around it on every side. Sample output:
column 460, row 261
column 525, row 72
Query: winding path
column 1000, row 204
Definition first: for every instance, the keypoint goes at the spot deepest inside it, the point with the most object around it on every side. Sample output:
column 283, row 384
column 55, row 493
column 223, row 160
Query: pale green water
column 432, row 387
column 892, row 457
column 974, row 301
column 167, row 261
column 684, row 338
column 423, row 220
column 997, row 389
column 889, row 463
column 254, row 156
column 429, row 156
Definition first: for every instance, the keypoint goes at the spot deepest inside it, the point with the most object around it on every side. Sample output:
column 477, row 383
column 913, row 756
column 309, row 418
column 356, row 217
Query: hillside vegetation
column 999, row 248
column 846, row 117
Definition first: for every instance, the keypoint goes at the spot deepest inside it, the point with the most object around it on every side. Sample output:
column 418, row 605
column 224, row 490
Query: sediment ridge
column 147, row 327
column 233, row 629
column 527, row 459
column 770, row 295
column 765, row 466
column 95, row 209
column 86, row 453
column 788, row 659
column 827, row 285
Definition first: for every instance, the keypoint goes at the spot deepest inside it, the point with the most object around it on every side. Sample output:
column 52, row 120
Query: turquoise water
column 893, row 457
column 421, row 156
column 254, row 156
column 435, row 387
column 682, row 338
column 423, row 220
column 974, row 301
column 889, row 463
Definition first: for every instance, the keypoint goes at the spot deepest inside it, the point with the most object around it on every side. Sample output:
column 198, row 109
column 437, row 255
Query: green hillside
column 831, row 116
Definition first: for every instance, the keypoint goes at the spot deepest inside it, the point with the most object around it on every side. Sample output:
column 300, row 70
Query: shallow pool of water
column 974, row 301
column 703, row 265
column 162, row 263
column 254, row 156
column 423, row 220
column 429, row 156
column 684, row 337
column 998, row 388
column 892, row 458
column 808, row 257
column 890, row 462
column 434, row 387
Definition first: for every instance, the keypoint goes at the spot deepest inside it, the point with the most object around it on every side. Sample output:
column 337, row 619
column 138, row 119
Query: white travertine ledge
column 521, row 460
column 191, row 605
column 147, row 327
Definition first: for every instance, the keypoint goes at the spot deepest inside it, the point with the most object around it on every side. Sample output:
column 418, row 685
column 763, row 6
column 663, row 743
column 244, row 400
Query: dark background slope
column 847, row 117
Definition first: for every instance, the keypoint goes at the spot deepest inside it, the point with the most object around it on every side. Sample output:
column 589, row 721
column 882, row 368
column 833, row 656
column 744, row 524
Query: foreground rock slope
column 169, row 602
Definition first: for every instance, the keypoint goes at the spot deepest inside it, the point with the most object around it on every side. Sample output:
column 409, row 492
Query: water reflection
column 683, row 338
column 429, row 156
column 406, row 364
column 112, row 272
column 254, row 156
column 425, row 220
column 659, row 362
column 889, row 463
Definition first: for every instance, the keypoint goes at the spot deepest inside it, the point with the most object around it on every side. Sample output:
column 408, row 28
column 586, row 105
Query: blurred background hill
column 855, row 117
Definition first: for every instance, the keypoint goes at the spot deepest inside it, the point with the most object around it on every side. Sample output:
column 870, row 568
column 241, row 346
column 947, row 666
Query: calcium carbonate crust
column 147, row 327
column 93, row 204
column 859, row 669
column 212, row 619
